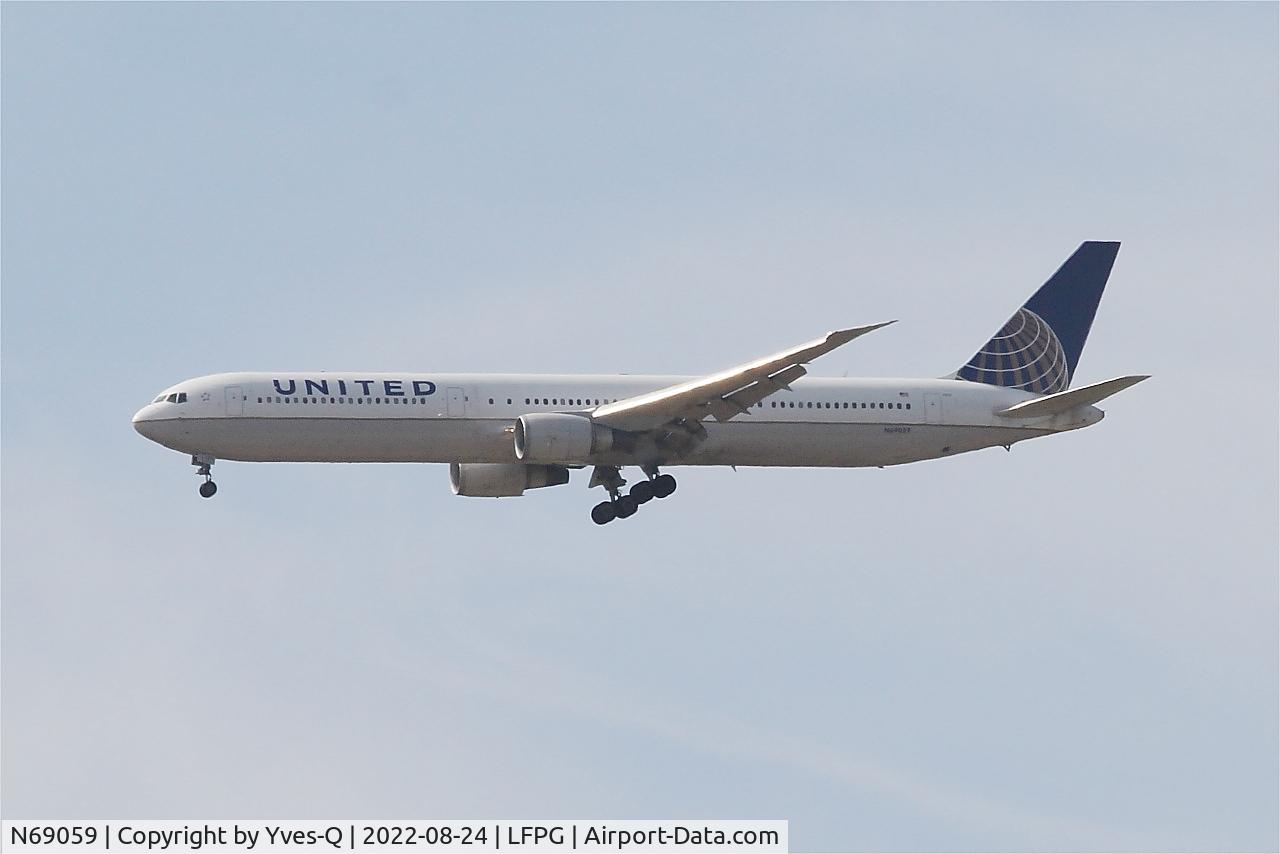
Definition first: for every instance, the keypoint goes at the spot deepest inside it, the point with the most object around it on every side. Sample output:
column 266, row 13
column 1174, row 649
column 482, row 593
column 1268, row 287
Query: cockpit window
column 173, row 398
column 182, row 397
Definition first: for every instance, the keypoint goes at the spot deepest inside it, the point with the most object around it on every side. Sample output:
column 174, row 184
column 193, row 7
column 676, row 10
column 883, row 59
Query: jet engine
column 552, row 437
column 496, row 480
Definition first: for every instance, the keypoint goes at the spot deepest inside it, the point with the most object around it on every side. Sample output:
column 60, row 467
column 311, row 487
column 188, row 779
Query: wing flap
column 725, row 394
column 1064, row 401
column 741, row 401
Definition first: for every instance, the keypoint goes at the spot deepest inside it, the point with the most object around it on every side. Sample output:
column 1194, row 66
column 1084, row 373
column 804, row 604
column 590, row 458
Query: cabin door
column 235, row 400
column 457, row 402
column 933, row 409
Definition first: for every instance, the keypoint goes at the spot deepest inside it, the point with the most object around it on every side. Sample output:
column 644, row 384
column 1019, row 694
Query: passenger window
column 882, row 406
column 508, row 401
column 899, row 405
column 491, row 401
column 908, row 406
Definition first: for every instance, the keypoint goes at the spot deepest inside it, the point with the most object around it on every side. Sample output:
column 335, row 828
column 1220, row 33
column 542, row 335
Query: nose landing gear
column 204, row 462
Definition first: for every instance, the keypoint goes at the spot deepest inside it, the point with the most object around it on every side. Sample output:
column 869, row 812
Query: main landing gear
column 621, row 506
column 203, row 463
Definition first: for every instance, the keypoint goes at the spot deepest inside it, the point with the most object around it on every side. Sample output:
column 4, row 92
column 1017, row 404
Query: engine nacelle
column 552, row 437
column 498, row 480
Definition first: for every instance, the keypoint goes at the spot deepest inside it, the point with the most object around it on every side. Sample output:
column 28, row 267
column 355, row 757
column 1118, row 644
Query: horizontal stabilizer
column 1064, row 401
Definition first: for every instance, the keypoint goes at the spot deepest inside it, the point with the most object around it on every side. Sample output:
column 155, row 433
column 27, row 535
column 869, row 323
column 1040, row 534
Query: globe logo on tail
column 1024, row 354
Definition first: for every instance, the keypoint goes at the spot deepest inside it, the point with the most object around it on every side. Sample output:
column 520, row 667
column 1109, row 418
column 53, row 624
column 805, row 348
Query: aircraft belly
column 349, row 440
column 842, row 445
column 467, row 440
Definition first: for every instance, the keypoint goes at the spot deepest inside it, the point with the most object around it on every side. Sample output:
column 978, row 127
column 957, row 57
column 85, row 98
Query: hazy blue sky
column 1072, row 646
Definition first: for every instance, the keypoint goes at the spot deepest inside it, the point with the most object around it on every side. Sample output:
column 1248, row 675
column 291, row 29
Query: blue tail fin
column 1038, row 349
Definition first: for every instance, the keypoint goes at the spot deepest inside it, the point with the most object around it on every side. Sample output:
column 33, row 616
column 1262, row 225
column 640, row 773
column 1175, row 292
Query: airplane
column 503, row 434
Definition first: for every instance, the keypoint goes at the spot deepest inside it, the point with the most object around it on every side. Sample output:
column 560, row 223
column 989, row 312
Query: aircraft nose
column 142, row 420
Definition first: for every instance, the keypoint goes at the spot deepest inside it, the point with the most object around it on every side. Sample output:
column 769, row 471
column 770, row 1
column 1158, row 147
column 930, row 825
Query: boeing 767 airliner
column 502, row 434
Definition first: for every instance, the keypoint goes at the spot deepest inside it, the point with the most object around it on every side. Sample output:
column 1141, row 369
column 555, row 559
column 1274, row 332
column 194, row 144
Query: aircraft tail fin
column 1038, row 348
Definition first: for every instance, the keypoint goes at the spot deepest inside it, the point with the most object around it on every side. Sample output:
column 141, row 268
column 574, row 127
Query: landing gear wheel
column 626, row 506
column 663, row 485
column 208, row 488
column 603, row 513
column 642, row 492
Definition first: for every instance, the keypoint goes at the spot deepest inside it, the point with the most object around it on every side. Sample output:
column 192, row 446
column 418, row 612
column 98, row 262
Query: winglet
column 844, row 336
column 1063, row 401
column 839, row 337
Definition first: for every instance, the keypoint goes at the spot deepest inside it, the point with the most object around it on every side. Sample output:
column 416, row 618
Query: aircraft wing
column 725, row 394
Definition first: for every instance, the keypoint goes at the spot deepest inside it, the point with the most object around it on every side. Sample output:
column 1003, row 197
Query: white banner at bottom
column 402, row 837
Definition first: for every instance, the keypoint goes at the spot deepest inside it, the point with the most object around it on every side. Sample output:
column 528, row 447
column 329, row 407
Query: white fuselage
column 469, row 418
